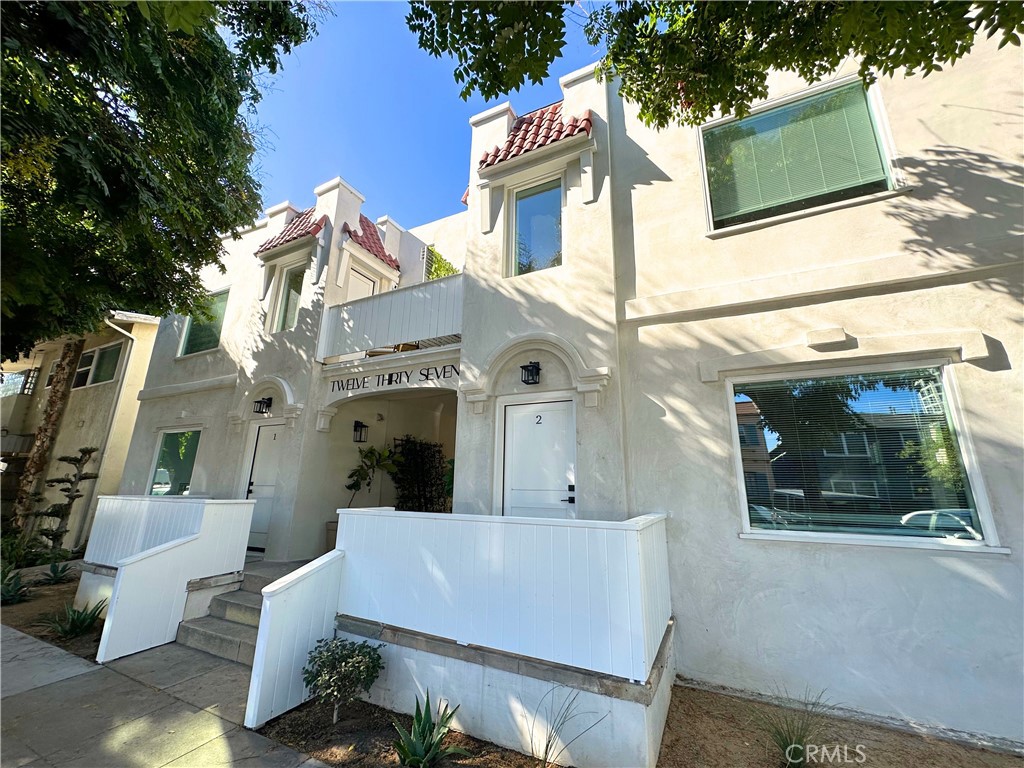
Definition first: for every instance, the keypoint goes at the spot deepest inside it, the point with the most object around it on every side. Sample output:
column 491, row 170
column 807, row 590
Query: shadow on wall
column 963, row 201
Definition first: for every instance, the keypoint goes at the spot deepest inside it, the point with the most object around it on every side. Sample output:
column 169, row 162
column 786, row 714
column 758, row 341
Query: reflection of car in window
column 947, row 523
column 161, row 483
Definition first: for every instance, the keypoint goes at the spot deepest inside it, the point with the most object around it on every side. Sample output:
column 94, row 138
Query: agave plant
column 73, row 622
column 59, row 573
column 420, row 746
column 12, row 590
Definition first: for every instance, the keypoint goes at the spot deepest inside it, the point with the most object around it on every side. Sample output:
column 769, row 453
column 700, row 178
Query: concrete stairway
column 230, row 629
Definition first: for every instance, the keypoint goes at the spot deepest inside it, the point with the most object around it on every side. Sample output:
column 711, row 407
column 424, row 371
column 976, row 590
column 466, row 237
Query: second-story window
column 97, row 366
column 290, row 299
column 818, row 150
column 202, row 334
column 537, row 227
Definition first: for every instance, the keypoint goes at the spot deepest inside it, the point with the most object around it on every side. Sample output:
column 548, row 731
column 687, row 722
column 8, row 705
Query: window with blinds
column 811, row 152
column 873, row 453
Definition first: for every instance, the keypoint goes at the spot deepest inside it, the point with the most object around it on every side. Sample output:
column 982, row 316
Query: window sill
column 750, row 226
column 935, row 545
column 202, row 352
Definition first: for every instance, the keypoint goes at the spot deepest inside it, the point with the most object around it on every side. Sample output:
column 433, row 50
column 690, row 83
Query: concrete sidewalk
column 60, row 710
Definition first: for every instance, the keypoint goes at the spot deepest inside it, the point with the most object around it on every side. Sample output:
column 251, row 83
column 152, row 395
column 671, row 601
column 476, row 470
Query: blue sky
column 362, row 101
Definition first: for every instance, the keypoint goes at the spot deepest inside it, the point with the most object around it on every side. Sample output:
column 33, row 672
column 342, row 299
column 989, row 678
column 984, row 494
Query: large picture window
column 202, row 334
column 175, row 461
column 538, row 228
column 866, row 453
column 811, row 152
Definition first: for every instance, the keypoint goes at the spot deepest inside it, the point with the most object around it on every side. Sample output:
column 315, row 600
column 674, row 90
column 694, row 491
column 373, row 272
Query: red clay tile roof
column 537, row 129
column 368, row 237
column 465, row 197
column 296, row 229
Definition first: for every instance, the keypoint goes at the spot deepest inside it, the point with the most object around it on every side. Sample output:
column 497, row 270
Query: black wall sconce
column 262, row 405
column 359, row 432
column 531, row 372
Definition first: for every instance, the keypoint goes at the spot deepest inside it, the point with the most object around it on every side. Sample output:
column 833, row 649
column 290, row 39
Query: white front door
column 266, row 461
column 540, row 460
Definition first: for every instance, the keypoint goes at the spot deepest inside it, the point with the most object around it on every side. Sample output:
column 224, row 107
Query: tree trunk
column 46, row 433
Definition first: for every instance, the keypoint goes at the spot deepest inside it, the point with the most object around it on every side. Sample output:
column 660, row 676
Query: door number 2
column 539, row 419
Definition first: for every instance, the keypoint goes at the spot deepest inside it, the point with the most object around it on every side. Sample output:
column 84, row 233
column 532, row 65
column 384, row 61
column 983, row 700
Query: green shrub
column 420, row 746
column 11, row 589
column 337, row 671
column 59, row 573
column 73, row 622
column 419, row 477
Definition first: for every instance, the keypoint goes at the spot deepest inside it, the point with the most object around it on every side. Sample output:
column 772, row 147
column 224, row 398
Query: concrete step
column 227, row 639
column 239, row 607
column 260, row 574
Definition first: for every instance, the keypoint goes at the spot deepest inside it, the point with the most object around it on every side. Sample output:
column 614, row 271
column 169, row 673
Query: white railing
column 424, row 311
column 149, row 591
column 586, row 593
column 127, row 525
column 298, row 610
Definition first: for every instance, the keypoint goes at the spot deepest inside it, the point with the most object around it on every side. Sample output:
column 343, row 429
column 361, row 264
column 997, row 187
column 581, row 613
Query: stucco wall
column 447, row 235
column 933, row 637
column 574, row 301
column 89, row 419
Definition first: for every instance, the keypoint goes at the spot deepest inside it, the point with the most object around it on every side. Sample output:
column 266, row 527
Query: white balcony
column 426, row 314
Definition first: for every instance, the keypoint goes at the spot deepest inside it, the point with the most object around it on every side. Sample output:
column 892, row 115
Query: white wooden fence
column 127, row 525
column 298, row 610
column 423, row 311
column 185, row 538
column 585, row 593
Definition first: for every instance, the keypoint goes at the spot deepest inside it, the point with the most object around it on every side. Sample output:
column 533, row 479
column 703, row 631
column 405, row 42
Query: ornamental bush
column 338, row 670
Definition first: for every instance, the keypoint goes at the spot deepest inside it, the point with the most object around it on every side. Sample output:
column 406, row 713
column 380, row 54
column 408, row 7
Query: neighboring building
column 100, row 412
column 788, row 333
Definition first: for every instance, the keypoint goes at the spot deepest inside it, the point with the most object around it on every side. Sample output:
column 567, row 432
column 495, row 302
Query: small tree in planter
column 370, row 461
column 338, row 670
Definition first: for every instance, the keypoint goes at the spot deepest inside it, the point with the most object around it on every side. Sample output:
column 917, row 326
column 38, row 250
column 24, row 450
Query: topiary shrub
column 338, row 671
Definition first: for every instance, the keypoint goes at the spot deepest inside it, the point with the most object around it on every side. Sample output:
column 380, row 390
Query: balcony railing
column 12, row 444
column 407, row 316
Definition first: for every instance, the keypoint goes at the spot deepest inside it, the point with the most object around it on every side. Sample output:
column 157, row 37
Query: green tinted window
column 811, row 152
column 202, row 334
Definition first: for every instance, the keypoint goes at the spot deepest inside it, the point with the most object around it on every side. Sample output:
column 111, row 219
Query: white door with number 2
column 540, row 460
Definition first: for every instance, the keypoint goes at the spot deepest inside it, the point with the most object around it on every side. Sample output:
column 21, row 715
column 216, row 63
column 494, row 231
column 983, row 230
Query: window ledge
column 750, row 226
column 934, row 545
column 200, row 353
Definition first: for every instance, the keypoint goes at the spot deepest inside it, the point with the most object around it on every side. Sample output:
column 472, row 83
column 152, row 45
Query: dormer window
column 289, row 298
column 537, row 228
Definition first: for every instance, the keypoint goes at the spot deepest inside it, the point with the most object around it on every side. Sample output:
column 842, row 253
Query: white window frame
column 511, row 191
column 846, row 452
column 275, row 314
column 856, row 486
column 739, row 434
column 188, row 328
column 879, row 118
column 988, row 545
column 160, row 432
column 92, row 366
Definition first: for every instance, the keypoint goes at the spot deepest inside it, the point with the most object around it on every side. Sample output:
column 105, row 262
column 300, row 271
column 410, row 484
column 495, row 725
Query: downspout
column 87, row 518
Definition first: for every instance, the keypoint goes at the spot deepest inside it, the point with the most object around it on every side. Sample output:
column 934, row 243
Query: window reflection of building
column 757, row 466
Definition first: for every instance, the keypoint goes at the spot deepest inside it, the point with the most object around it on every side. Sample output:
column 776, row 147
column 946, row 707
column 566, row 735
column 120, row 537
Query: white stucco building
column 796, row 336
